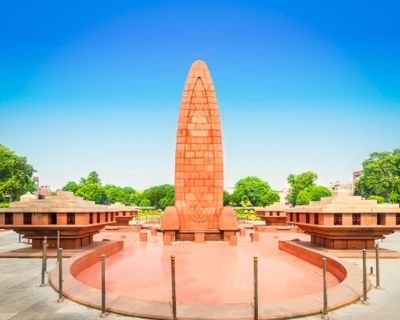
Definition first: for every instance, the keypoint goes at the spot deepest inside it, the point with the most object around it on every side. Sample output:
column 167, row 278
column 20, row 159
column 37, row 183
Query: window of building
column 278, row 214
column 9, row 218
column 70, row 217
column 297, row 217
column 397, row 218
column 98, row 217
column 356, row 219
column 27, row 217
column 270, row 213
column 291, row 216
column 106, row 216
column 52, row 218
column 307, row 218
column 124, row 213
column 380, row 219
column 337, row 219
column 316, row 218
column 112, row 216
column 91, row 218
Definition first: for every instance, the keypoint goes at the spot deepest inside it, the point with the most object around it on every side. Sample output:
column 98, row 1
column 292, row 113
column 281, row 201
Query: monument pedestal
column 226, row 220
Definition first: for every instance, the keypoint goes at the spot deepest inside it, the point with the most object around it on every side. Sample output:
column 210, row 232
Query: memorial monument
column 198, row 212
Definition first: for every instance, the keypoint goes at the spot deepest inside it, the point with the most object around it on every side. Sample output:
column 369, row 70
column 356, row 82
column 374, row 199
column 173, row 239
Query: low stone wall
column 351, row 287
column 83, row 262
column 348, row 291
column 333, row 266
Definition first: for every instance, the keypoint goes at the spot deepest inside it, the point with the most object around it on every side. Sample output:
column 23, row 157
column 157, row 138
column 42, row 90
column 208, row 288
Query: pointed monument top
column 199, row 64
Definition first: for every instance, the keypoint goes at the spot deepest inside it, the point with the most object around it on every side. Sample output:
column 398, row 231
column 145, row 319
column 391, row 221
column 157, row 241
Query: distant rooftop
column 343, row 202
column 63, row 201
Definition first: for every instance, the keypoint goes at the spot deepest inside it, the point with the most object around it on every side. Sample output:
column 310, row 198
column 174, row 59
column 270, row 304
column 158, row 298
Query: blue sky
column 96, row 85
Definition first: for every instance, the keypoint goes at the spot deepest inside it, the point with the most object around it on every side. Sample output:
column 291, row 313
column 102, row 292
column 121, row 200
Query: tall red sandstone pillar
column 199, row 165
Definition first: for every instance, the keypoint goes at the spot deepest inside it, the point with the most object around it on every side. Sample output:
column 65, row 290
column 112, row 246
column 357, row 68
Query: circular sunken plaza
column 214, row 280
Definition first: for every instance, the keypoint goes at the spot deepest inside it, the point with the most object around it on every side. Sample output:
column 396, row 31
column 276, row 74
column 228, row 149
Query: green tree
column 227, row 198
column 312, row 193
column 118, row 194
column 381, row 171
column 160, row 196
column 93, row 177
column 71, row 186
column 255, row 191
column 395, row 193
column 135, row 198
column 93, row 192
column 379, row 199
column 15, row 175
column 89, row 188
column 145, row 203
column 298, row 183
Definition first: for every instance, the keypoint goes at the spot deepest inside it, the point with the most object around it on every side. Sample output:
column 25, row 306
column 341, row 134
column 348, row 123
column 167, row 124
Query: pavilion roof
column 118, row 206
column 63, row 201
column 344, row 202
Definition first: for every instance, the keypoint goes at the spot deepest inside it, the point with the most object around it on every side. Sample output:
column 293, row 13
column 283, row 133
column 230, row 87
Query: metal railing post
column 58, row 243
column 45, row 254
column 44, row 262
column 255, row 272
column 103, row 286
column 173, row 287
column 365, row 279
column 325, row 288
column 378, row 280
column 60, row 275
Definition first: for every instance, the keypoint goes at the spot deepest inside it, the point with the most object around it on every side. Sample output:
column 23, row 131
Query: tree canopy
column 379, row 199
column 252, row 191
column 15, row 175
column 381, row 176
column 395, row 193
column 160, row 196
column 312, row 193
column 93, row 192
column 227, row 198
column 303, row 188
column 91, row 188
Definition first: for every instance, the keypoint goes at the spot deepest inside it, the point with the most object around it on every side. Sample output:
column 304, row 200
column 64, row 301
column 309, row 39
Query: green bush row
column 247, row 214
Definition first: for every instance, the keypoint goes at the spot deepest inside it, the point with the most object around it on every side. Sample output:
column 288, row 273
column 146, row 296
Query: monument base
column 228, row 226
column 190, row 235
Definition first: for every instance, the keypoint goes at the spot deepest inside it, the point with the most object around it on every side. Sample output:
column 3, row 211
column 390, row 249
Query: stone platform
column 20, row 280
column 208, row 303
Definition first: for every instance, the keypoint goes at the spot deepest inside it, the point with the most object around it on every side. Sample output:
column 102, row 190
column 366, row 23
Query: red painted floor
column 211, row 272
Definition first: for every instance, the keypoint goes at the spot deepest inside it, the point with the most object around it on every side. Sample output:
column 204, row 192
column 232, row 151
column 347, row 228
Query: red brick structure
column 123, row 214
column 199, row 166
column 273, row 215
column 77, row 219
column 343, row 221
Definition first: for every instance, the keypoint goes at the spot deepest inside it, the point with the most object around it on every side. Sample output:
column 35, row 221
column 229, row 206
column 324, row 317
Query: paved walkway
column 383, row 303
column 21, row 298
